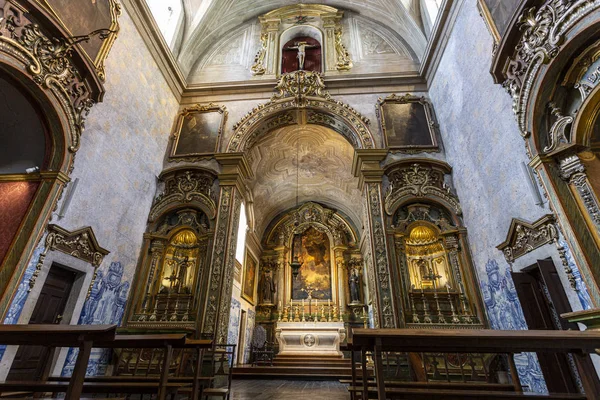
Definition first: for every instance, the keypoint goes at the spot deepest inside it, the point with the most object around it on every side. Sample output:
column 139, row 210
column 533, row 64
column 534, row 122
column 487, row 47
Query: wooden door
column 31, row 361
column 543, row 299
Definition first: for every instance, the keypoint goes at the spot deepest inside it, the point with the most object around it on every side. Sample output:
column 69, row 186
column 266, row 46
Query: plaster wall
column 122, row 151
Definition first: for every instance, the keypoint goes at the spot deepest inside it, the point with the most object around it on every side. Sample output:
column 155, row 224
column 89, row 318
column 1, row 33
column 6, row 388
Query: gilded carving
column 81, row 244
column 48, row 60
column 344, row 63
column 418, row 180
column 560, row 131
column 185, row 186
column 524, row 237
column 304, row 90
column 218, row 259
column 543, row 30
column 259, row 68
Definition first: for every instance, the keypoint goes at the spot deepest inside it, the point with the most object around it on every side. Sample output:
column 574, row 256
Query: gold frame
column 431, row 123
column 98, row 61
column 252, row 300
column 489, row 21
column 210, row 108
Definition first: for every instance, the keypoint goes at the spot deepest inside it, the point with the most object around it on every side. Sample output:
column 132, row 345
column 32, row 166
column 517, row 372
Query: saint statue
column 354, row 280
column 301, row 46
column 268, row 288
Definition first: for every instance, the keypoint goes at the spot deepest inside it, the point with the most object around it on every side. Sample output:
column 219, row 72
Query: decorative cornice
column 81, row 243
column 185, row 185
column 524, row 237
column 418, row 179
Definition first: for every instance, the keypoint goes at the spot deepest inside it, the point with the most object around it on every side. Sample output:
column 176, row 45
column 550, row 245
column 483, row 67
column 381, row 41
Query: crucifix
column 301, row 47
column 309, row 290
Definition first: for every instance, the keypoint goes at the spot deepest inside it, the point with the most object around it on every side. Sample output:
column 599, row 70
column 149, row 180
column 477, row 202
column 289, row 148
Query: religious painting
column 313, row 249
column 301, row 54
column 198, row 131
column 86, row 17
column 497, row 15
column 250, row 269
column 407, row 123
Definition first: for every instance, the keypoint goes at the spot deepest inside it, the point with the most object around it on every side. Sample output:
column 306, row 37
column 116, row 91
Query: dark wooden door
column 543, row 299
column 31, row 361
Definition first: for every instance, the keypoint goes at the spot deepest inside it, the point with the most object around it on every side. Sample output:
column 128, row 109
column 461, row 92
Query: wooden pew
column 80, row 336
column 378, row 341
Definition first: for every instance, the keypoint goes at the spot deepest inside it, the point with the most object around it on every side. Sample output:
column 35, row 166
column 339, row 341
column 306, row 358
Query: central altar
column 310, row 338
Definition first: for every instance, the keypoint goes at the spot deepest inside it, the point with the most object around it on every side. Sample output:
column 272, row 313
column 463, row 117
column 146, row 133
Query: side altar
column 310, row 338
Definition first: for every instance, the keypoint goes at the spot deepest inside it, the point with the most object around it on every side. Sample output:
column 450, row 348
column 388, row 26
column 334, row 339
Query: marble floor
column 288, row 390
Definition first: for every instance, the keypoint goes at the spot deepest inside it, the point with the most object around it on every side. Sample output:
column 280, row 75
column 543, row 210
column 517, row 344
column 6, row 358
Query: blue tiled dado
column 504, row 312
column 106, row 305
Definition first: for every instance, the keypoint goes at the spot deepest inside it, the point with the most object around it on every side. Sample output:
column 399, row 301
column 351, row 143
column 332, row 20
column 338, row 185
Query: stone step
column 315, row 363
column 275, row 372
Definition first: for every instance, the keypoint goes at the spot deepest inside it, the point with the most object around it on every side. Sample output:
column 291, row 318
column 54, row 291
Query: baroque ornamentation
column 304, row 90
column 307, row 216
column 258, row 68
column 380, row 256
column 419, row 180
column 218, row 259
column 572, row 170
column 559, row 132
column 81, row 244
column 524, row 237
column 300, row 84
column 185, row 186
column 344, row 63
column 543, row 32
column 49, row 61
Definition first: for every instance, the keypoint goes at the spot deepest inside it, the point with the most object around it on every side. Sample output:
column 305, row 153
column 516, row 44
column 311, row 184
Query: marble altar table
column 310, row 338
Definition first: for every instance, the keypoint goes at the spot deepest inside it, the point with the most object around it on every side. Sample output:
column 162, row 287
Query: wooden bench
column 79, row 336
column 162, row 384
column 379, row 341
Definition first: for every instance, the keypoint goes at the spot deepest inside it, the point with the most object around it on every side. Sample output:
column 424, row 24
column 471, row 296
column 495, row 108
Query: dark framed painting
column 314, row 252
column 497, row 15
column 86, row 17
column 249, row 281
column 407, row 123
column 198, row 131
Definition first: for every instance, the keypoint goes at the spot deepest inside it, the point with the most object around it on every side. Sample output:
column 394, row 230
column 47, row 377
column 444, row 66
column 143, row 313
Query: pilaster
column 366, row 166
column 234, row 171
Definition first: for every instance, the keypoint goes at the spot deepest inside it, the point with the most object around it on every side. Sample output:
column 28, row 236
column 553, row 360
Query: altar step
column 297, row 367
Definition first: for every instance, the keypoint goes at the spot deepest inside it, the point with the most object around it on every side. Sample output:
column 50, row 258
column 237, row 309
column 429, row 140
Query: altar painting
column 314, row 252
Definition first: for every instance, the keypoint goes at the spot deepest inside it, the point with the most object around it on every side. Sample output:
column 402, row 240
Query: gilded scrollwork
column 344, row 63
column 543, row 31
column 81, row 244
column 418, row 180
column 218, row 259
column 560, row 131
column 524, row 237
column 185, row 186
column 49, row 62
column 304, row 90
column 259, row 68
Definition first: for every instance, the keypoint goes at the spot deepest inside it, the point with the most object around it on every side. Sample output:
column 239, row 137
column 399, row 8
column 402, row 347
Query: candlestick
column 303, row 320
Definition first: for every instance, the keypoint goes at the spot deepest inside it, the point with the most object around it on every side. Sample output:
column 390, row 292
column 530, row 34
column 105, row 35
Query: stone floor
column 288, row 390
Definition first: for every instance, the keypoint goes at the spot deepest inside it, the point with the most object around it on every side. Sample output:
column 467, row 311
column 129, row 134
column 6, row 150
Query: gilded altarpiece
column 326, row 245
column 172, row 271
column 436, row 276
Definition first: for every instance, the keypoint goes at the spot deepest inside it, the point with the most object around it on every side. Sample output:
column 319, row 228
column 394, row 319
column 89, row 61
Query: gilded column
column 330, row 22
column 342, row 279
column 234, row 171
column 271, row 29
column 366, row 167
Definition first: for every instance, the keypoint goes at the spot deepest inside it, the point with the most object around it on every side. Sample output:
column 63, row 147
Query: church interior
column 281, row 199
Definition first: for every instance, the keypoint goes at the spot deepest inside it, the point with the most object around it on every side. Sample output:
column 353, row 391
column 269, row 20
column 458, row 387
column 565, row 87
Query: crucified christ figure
column 302, row 46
